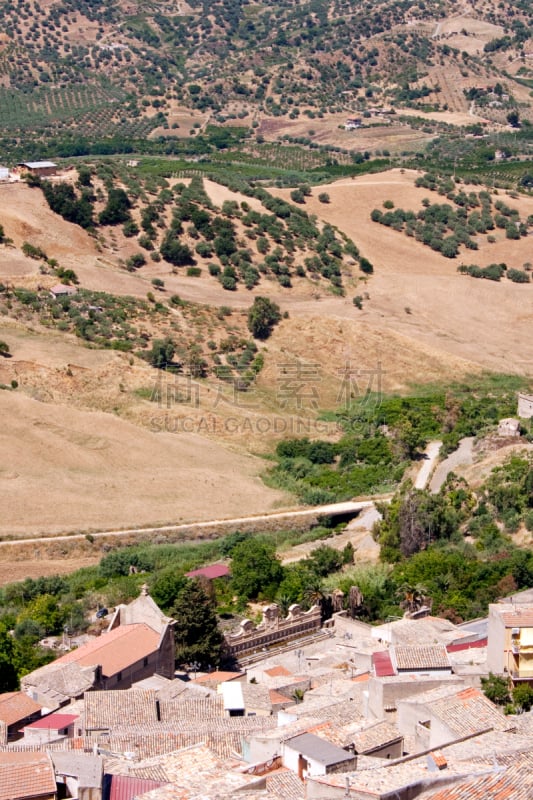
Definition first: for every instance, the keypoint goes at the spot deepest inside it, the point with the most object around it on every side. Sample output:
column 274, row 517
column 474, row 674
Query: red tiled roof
column 54, row 722
column 514, row 783
column 457, row 648
column 521, row 618
column 439, row 759
column 26, row 775
column 124, row 787
column 116, row 650
column 16, row 706
column 469, row 711
column 421, row 657
column 277, row 697
column 218, row 676
column 365, row 676
column 277, row 672
column 211, row 572
column 382, row 664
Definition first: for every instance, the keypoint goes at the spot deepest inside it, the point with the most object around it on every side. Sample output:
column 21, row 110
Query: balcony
column 522, row 674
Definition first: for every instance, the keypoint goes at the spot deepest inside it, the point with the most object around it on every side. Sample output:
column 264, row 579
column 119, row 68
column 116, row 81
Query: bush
column 34, row 252
column 135, row 261
column 130, row 228
column 175, row 252
column 518, row 276
column 297, row 196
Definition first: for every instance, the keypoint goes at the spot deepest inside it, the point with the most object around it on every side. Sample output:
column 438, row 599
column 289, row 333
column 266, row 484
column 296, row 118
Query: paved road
column 431, row 454
column 328, row 510
column 331, row 509
column 463, row 455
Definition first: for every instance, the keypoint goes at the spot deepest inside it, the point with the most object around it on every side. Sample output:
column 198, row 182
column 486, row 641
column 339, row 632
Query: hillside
column 363, row 172
column 85, row 397
column 168, row 69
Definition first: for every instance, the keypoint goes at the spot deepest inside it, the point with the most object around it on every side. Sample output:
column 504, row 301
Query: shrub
column 518, row 276
column 130, row 228
column 135, row 261
column 365, row 266
column 34, row 252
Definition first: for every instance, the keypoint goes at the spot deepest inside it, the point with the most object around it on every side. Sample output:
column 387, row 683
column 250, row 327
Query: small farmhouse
column 62, row 290
column 353, row 123
column 41, row 169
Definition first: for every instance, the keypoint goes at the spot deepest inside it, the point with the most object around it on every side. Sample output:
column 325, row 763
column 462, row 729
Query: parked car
column 102, row 612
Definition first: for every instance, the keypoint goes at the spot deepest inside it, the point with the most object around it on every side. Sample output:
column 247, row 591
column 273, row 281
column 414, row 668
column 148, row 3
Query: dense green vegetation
column 382, row 434
column 452, row 549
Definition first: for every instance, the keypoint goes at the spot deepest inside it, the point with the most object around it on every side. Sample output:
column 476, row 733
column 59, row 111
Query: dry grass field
column 80, row 470
column 83, row 450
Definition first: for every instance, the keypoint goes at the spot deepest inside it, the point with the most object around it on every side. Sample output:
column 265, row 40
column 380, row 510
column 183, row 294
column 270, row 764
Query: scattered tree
column 262, row 317
column 198, row 638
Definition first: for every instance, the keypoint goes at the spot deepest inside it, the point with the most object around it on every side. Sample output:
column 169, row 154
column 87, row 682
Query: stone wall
column 272, row 629
column 525, row 406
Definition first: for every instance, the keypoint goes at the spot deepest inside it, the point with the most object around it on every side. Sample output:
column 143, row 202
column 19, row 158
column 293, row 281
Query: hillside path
column 463, row 455
column 430, row 456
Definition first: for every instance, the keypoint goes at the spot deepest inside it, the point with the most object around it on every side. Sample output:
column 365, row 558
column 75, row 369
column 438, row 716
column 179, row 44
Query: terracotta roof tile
column 116, row 650
column 123, row 787
column 218, row 676
column 276, row 698
column 469, row 712
column 191, row 709
column 108, row 710
column 520, row 616
column 513, row 783
column 277, row 672
column 420, row 657
column 285, row 785
column 17, row 706
column 26, row 775
column 371, row 738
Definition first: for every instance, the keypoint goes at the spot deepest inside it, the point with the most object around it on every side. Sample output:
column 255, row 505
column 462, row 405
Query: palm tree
column 414, row 596
column 313, row 592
